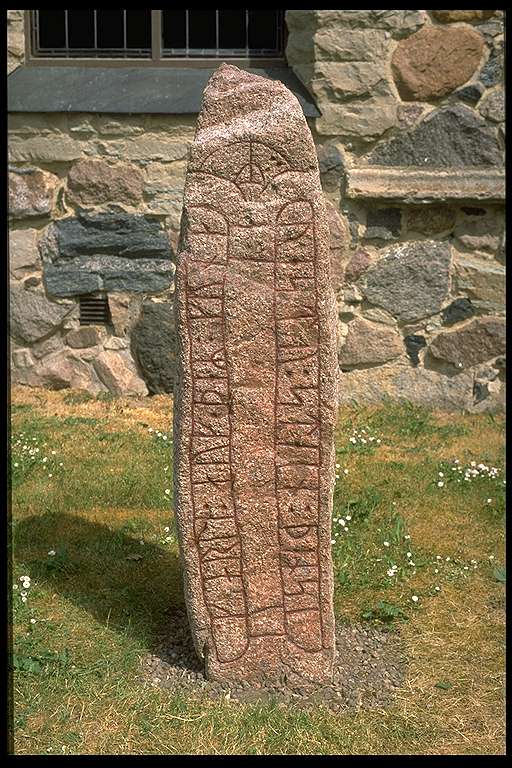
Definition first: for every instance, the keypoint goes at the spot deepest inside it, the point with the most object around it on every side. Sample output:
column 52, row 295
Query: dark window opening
column 223, row 33
column 94, row 310
column 91, row 34
column 193, row 34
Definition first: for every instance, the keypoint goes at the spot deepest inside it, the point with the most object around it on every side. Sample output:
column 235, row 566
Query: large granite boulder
column 451, row 137
column 411, row 281
column 435, row 61
column 33, row 316
column 153, row 341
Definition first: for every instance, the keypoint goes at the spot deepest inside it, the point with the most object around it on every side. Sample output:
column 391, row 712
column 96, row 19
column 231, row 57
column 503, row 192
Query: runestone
column 255, row 400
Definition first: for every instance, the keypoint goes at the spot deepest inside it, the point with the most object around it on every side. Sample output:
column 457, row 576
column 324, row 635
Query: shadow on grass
column 132, row 588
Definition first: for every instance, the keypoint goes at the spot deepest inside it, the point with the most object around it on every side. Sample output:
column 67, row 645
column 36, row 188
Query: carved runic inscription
column 255, row 403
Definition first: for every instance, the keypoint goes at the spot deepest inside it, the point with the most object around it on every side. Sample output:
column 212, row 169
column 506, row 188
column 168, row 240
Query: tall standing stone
column 255, row 401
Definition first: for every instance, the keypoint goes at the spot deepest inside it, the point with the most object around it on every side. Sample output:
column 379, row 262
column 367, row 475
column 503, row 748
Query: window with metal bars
column 94, row 310
column 155, row 36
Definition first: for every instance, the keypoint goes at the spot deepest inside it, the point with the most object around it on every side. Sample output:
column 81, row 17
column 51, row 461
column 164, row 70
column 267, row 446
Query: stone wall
column 410, row 146
column 15, row 39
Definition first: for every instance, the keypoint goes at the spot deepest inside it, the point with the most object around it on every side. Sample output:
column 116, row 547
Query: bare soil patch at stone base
column 369, row 668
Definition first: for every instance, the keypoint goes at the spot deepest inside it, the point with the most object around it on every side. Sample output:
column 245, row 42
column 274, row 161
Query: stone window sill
column 419, row 185
column 126, row 90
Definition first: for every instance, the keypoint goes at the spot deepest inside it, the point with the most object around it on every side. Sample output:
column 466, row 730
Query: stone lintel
column 418, row 185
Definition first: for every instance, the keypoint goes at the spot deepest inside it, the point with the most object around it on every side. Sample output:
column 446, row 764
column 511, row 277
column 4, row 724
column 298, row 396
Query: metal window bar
column 37, row 30
column 247, row 33
column 157, row 52
column 66, row 30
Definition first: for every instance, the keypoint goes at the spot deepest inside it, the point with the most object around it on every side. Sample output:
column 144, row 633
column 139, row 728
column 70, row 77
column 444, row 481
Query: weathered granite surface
column 255, row 402
column 436, row 60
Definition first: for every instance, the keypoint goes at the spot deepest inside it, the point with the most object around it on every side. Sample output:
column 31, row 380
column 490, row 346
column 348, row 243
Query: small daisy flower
column 415, row 598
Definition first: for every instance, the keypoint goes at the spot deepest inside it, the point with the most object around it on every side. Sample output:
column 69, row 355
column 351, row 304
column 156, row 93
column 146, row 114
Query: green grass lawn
column 417, row 548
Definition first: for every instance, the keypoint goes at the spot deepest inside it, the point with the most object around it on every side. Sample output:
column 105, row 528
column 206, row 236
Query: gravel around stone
column 369, row 668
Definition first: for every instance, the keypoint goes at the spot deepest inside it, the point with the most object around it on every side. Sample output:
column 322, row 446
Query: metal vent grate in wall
column 94, row 310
